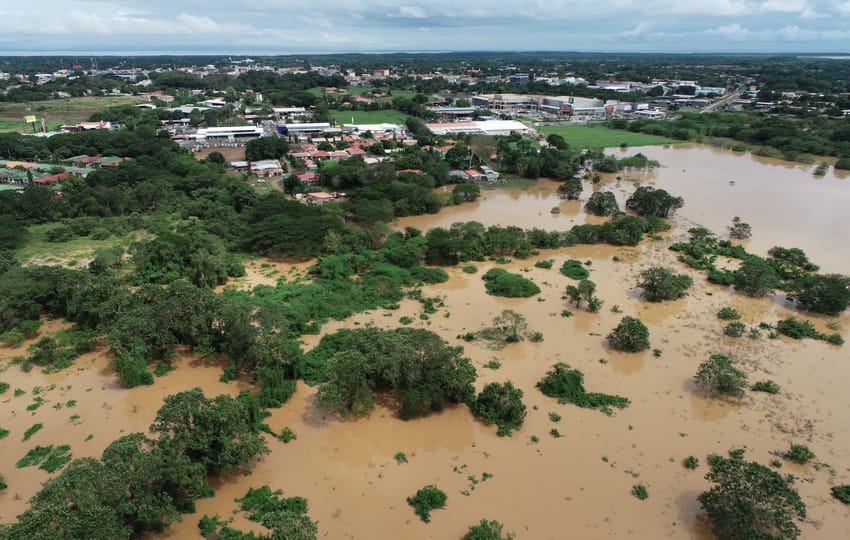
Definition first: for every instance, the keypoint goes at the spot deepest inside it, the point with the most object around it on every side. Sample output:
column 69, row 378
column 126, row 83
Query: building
column 530, row 103
column 484, row 127
column 518, row 78
column 231, row 134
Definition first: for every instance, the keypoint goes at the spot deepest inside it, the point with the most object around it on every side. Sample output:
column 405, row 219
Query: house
column 320, row 197
column 309, row 177
column 266, row 167
column 52, row 179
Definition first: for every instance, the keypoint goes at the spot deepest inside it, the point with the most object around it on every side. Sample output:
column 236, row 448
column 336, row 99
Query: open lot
column 57, row 111
column 390, row 116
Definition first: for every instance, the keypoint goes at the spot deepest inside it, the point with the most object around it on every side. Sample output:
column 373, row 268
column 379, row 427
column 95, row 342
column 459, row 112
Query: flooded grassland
column 576, row 485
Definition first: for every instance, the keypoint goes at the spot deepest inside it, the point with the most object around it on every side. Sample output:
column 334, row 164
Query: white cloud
column 410, row 12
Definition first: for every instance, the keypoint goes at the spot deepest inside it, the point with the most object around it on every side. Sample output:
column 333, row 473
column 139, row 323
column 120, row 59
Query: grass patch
column 388, row 116
column 57, row 111
column 578, row 136
column 39, row 250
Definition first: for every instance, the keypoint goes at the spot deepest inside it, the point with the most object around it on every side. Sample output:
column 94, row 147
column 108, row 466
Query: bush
column 799, row 453
column 567, row 385
column 734, row 329
column 842, row 493
column 631, row 335
column 60, row 233
column 728, row 314
column 828, row 294
column 640, row 492
column 659, row 284
column 691, row 462
column 574, row 269
column 546, row 264
column 843, row 163
column 500, row 404
column 470, row 269
column 717, row 376
column 756, row 277
column 426, row 499
column 487, row 530
column 765, row 386
column 749, row 500
column 502, row 283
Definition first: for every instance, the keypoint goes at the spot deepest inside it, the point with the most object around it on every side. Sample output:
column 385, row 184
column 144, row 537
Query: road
column 722, row 102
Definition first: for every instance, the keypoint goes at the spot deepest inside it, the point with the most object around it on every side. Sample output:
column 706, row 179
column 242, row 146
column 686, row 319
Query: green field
column 579, row 136
column 57, row 111
column 390, row 116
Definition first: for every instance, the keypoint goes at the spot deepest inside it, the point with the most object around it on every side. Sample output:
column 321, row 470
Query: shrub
column 735, row 329
column 728, row 314
column 574, row 269
column 567, row 385
column 756, row 277
column 765, row 386
column 546, row 264
column 470, row 269
column 740, row 230
column 691, row 462
column 500, row 404
column 631, row 335
column 842, row 493
column 717, row 376
column 640, row 492
column 659, row 284
column 60, row 233
column 748, row 500
column 799, row 453
column 502, row 283
column 426, row 499
column 843, row 163
column 400, row 458
column 487, row 530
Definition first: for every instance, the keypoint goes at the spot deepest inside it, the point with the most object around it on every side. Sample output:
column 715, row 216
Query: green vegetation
column 47, row 458
column 567, row 385
column 740, row 230
column 470, row 269
column 829, row 294
column 602, row 137
column 734, row 329
column 799, row 453
column 797, row 329
column 765, row 386
column 648, row 201
column 584, row 292
column 728, row 314
column 631, row 335
column 487, row 530
column 500, row 404
column 32, row 431
column 545, row 264
column 842, row 493
column 507, row 327
column 602, row 203
column 659, row 283
column 574, row 269
column 691, row 462
column 748, row 500
column 500, row 282
column 718, row 377
column 400, row 458
column 353, row 364
column 284, row 517
column 640, row 492
column 426, row 499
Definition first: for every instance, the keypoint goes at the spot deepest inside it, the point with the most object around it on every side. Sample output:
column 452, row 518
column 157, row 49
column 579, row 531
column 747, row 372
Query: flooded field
column 573, row 486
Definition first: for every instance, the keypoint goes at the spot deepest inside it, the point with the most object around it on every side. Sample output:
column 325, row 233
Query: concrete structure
column 531, row 103
column 374, row 128
column 228, row 134
column 487, row 127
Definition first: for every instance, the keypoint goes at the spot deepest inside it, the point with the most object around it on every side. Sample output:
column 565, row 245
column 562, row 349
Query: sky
column 286, row 26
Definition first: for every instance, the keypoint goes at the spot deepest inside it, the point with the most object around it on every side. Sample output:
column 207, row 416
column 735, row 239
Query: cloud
column 411, row 12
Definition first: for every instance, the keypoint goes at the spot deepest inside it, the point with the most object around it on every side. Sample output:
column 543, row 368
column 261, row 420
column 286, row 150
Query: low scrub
column 503, row 283
column 567, row 385
column 426, row 499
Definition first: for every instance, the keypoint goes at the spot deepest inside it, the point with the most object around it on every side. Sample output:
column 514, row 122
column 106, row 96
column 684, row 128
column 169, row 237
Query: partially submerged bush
column 799, row 453
column 765, row 386
column 659, row 283
column 567, row 385
column 426, row 499
column 631, row 335
column 574, row 269
column 500, row 404
column 503, row 283
column 718, row 377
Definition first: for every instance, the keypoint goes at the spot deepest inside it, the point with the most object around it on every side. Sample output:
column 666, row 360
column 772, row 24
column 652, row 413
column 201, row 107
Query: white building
column 484, row 127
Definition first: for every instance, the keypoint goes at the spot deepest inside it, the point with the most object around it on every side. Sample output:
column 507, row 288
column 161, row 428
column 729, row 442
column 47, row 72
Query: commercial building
column 530, row 103
column 484, row 127
column 228, row 134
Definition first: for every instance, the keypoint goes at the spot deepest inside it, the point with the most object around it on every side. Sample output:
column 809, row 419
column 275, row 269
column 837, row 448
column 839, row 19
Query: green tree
column 755, row 277
column 487, row 530
column 219, row 433
column 648, row 201
column 630, row 335
column 828, row 293
column 349, row 386
column 602, row 203
column 659, row 283
column 570, row 189
column 717, row 376
column 749, row 500
column 583, row 292
column 500, row 404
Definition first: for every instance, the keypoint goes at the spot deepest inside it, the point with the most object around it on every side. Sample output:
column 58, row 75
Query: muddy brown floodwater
column 574, row 486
